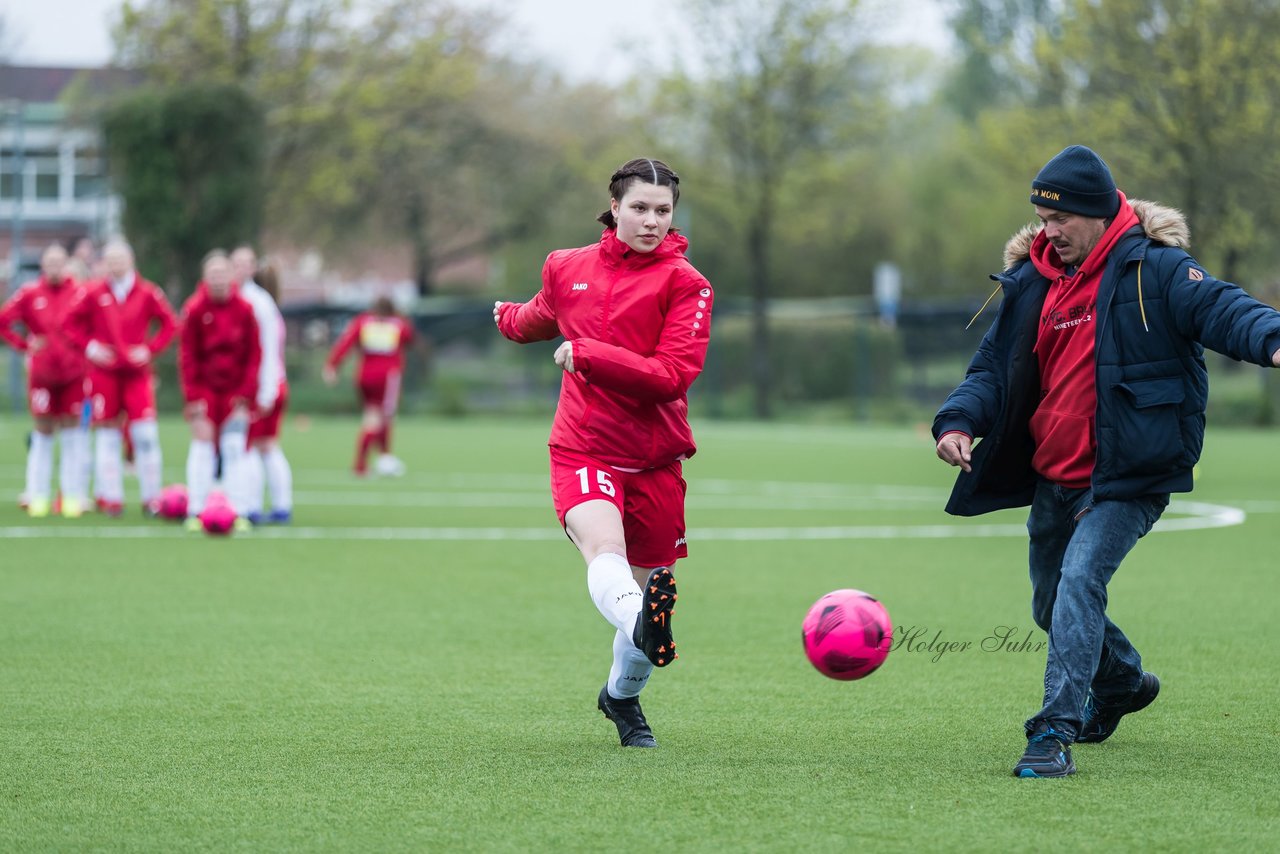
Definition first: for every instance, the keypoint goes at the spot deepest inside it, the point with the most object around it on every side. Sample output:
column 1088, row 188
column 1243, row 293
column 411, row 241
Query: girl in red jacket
column 55, row 382
column 381, row 335
column 635, row 316
column 123, row 322
column 218, row 357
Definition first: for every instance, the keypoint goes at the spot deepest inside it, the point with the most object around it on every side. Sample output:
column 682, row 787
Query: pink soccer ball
column 847, row 634
column 172, row 503
column 218, row 519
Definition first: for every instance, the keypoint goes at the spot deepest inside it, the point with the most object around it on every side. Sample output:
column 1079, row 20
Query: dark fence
column 831, row 359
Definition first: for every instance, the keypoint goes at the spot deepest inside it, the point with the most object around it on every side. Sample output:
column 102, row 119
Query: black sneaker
column 652, row 634
column 1048, row 755
column 633, row 729
column 1101, row 719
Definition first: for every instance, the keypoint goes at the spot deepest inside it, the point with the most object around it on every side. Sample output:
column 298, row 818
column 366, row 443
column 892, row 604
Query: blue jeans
column 1076, row 546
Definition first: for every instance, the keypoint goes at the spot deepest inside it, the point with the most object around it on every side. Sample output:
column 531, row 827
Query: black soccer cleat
column 1101, row 719
column 652, row 634
column 633, row 729
column 1048, row 755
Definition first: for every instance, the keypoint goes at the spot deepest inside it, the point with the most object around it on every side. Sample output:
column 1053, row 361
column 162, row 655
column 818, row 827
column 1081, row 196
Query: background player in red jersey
column 265, row 460
column 635, row 316
column 218, row 360
column 123, row 323
column 382, row 336
column 55, row 382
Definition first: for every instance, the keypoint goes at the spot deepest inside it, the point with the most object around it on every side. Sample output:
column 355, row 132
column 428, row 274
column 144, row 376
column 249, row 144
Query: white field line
column 1198, row 515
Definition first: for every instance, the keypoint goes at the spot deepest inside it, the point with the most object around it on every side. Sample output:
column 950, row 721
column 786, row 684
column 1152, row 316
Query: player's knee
column 202, row 429
column 593, row 550
column 145, row 434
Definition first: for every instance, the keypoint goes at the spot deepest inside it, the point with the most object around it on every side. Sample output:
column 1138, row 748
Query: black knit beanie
column 1077, row 181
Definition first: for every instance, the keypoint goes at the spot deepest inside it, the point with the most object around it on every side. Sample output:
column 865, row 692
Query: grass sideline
column 302, row 689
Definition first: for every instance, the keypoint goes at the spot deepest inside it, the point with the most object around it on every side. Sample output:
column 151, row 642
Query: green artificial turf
column 413, row 664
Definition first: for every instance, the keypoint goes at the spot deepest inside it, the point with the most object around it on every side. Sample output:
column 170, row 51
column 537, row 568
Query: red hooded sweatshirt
column 99, row 316
column 639, row 323
column 42, row 307
column 1063, row 423
column 382, row 342
column 218, row 350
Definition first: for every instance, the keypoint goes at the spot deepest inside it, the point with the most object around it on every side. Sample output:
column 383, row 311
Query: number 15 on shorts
column 603, row 484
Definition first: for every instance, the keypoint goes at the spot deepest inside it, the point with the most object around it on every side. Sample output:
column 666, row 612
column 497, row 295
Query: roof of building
column 45, row 84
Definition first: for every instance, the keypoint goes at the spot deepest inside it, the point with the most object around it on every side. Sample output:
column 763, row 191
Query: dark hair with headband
column 641, row 169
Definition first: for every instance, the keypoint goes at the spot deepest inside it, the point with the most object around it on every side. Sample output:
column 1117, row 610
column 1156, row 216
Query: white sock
column 108, row 473
column 630, row 670
column 40, row 466
column 199, row 475
column 279, row 480
column 84, row 462
column 69, row 465
column 147, row 458
column 232, row 448
column 253, row 474
column 614, row 590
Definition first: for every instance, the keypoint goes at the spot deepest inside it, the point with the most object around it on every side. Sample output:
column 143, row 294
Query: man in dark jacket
column 1089, row 393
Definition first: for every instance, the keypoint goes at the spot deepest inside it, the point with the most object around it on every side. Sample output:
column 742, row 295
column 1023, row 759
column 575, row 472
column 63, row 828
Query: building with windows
column 53, row 175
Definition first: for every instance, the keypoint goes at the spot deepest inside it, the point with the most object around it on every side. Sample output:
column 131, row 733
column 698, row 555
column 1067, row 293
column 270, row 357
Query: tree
column 780, row 83
column 276, row 51
column 398, row 127
column 995, row 39
column 188, row 161
column 1179, row 96
column 404, row 146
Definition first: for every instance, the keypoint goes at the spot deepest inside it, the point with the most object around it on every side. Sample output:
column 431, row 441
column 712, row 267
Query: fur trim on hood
column 1162, row 224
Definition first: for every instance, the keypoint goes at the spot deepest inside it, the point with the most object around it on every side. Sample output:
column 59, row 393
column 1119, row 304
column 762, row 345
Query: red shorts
column 56, row 400
column 114, row 392
column 651, row 503
column 381, row 391
column 267, row 425
column 217, row 406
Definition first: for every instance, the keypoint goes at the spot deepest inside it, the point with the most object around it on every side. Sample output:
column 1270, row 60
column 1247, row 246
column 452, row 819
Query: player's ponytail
column 641, row 169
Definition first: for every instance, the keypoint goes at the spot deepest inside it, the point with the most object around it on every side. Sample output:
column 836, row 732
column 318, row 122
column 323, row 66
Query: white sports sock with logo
column 253, row 475
column 40, row 466
column 107, row 471
column 279, row 479
column 146, row 456
column 84, row 462
column 631, row 668
column 70, row 464
column 233, row 448
column 614, row 590
column 199, row 475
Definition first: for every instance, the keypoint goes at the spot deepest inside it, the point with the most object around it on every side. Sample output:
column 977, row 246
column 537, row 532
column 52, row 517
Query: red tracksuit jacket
column 219, row 351
column 121, row 325
column 639, row 323
column 382, row 341
column 42, row 308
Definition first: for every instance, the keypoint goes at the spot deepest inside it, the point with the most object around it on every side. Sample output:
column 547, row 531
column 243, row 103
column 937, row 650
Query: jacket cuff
column 581, row 356
column 1273, row 344
column 951, row 425
column 957, row 433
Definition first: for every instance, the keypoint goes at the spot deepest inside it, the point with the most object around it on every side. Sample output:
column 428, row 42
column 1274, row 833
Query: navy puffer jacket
column 1157, row 312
